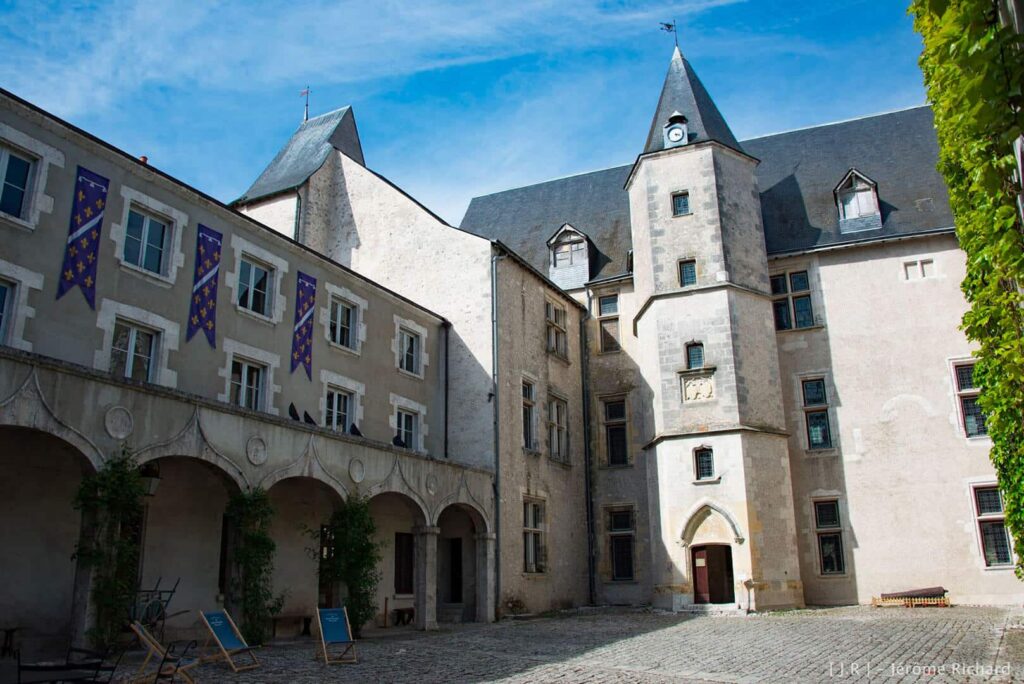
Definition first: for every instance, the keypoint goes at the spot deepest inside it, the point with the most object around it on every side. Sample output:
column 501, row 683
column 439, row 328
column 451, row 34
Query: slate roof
column 797, row 174
column 684, row 93
column 593, row 203
column 305, row 152
column 799, row 170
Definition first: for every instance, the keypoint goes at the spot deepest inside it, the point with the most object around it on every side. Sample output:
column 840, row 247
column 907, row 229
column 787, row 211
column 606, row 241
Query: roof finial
column 671, row 28
column 306, row 92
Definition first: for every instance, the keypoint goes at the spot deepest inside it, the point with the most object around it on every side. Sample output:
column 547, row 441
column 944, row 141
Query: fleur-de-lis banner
column 81, row 255
column 302, row 340
column 202, row 313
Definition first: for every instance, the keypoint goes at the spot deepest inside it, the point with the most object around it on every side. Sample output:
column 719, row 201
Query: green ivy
column 353, row 559
column 974, row 69
column 111, row 504
column 249, row 516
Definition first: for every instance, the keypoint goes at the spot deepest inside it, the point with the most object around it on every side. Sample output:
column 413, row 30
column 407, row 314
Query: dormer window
column 857, row 202
column 568, row 252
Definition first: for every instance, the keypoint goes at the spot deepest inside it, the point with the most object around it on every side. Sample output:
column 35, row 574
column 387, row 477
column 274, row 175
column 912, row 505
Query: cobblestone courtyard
column 619, row 645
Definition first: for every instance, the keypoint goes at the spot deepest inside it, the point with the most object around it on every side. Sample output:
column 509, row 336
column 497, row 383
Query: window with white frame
column 815, row 401
column 608, row 320
column 6, row 309
column 918, row 269
column 255, row 285
column 344, row 323
column 615, row 433
column 145, row 240
column 557, row 338
column 558, row 429
column 967, row 391
column 995, row 538
column 529, row 416
column 569, row 250
column 338, row 413
column 856, row 196
column 534, row 548
column 407, row 428
column 704, row 463
column 16, row 174
column 133, row 350
column 828, row 527
column 791, row 300
column 409, row 351
column 621, row 535
column 248, row 379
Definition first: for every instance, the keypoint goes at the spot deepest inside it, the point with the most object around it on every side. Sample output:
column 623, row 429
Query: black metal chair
column 47, row 672
column 172, row 661
column 103, row 664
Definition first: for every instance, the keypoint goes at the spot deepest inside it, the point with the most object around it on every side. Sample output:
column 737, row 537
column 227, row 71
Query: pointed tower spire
column 684, row 93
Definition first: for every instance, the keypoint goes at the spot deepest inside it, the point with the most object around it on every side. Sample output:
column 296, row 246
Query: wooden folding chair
column 155, row 648
column 229, row 639
column 336, row 631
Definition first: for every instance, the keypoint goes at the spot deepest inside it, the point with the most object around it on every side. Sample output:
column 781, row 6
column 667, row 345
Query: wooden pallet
column 911, row 601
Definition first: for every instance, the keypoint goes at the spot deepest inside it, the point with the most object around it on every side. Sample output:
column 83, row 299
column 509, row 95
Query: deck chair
column 155, row 648
column 230, row 641
column 336, row 631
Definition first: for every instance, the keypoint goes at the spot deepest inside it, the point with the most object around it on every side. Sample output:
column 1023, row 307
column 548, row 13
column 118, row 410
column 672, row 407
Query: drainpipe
column 447, row 349
column 495, row 258
column 587, row 456
column 298, row 216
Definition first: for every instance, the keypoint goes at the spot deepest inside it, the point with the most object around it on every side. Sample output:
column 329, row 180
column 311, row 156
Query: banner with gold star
column 82, row 251
column 202, row 313
column 302, row 339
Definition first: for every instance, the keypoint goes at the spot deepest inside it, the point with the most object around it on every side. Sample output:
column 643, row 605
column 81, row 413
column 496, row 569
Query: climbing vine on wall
column 974, row 71
column 111, row 504
column 353, row 558
column 249, row 516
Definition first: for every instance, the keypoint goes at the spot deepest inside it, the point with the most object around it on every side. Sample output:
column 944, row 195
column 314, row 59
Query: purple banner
column 302, row 339
column 81, row 255
column 202, row 313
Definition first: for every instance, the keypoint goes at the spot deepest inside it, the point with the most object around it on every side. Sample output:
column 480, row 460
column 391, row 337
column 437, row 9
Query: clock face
column 675, row 134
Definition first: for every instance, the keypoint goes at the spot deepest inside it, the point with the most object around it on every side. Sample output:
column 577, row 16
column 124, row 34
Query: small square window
column 687, row 273
column 608, row 305
column 615, row 410
column 826, row 513
column 145, row 241
column 798, row 281
column 704, row 464
column 814, row 392
column 819, row 435
column 680, row 204
column 620, row 521
column 965, row 377
column 779, row 285
column 989, row 500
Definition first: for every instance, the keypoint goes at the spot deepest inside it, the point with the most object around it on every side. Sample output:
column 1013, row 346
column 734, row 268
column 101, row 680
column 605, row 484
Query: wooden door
column 701, row 589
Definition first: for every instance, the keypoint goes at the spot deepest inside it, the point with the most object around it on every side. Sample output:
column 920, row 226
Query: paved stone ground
column 626, row 645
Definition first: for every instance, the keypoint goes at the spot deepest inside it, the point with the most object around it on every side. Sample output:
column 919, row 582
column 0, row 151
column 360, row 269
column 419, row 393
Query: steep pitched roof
column 592, row 203
column 305, row 152
column 684, row 93
column 799, row 170
column 797, row 175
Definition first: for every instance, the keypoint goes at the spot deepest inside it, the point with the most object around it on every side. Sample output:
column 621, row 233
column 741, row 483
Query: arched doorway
column 302, row 506
column 711, row 567
column 184, row 542
column 460, row 574
column 399, row 520
column 39, row 477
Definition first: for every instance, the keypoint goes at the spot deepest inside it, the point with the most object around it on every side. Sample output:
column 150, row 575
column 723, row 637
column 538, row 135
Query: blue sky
column 452, row 99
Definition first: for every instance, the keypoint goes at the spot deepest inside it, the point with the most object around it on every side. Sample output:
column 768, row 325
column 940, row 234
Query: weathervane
column 305, row 93
column 671, row 28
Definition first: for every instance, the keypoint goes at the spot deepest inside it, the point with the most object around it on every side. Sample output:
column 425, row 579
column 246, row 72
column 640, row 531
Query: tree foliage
column 249, row 516
column 974, row 70
column 354, row 558
column 111, row 504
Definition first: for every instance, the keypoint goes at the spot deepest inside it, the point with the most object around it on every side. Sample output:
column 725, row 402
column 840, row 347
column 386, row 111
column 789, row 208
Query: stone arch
column 462, row 496
column 397, row 483
column 27, row 407
column 700, row 512
column 191, row 442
